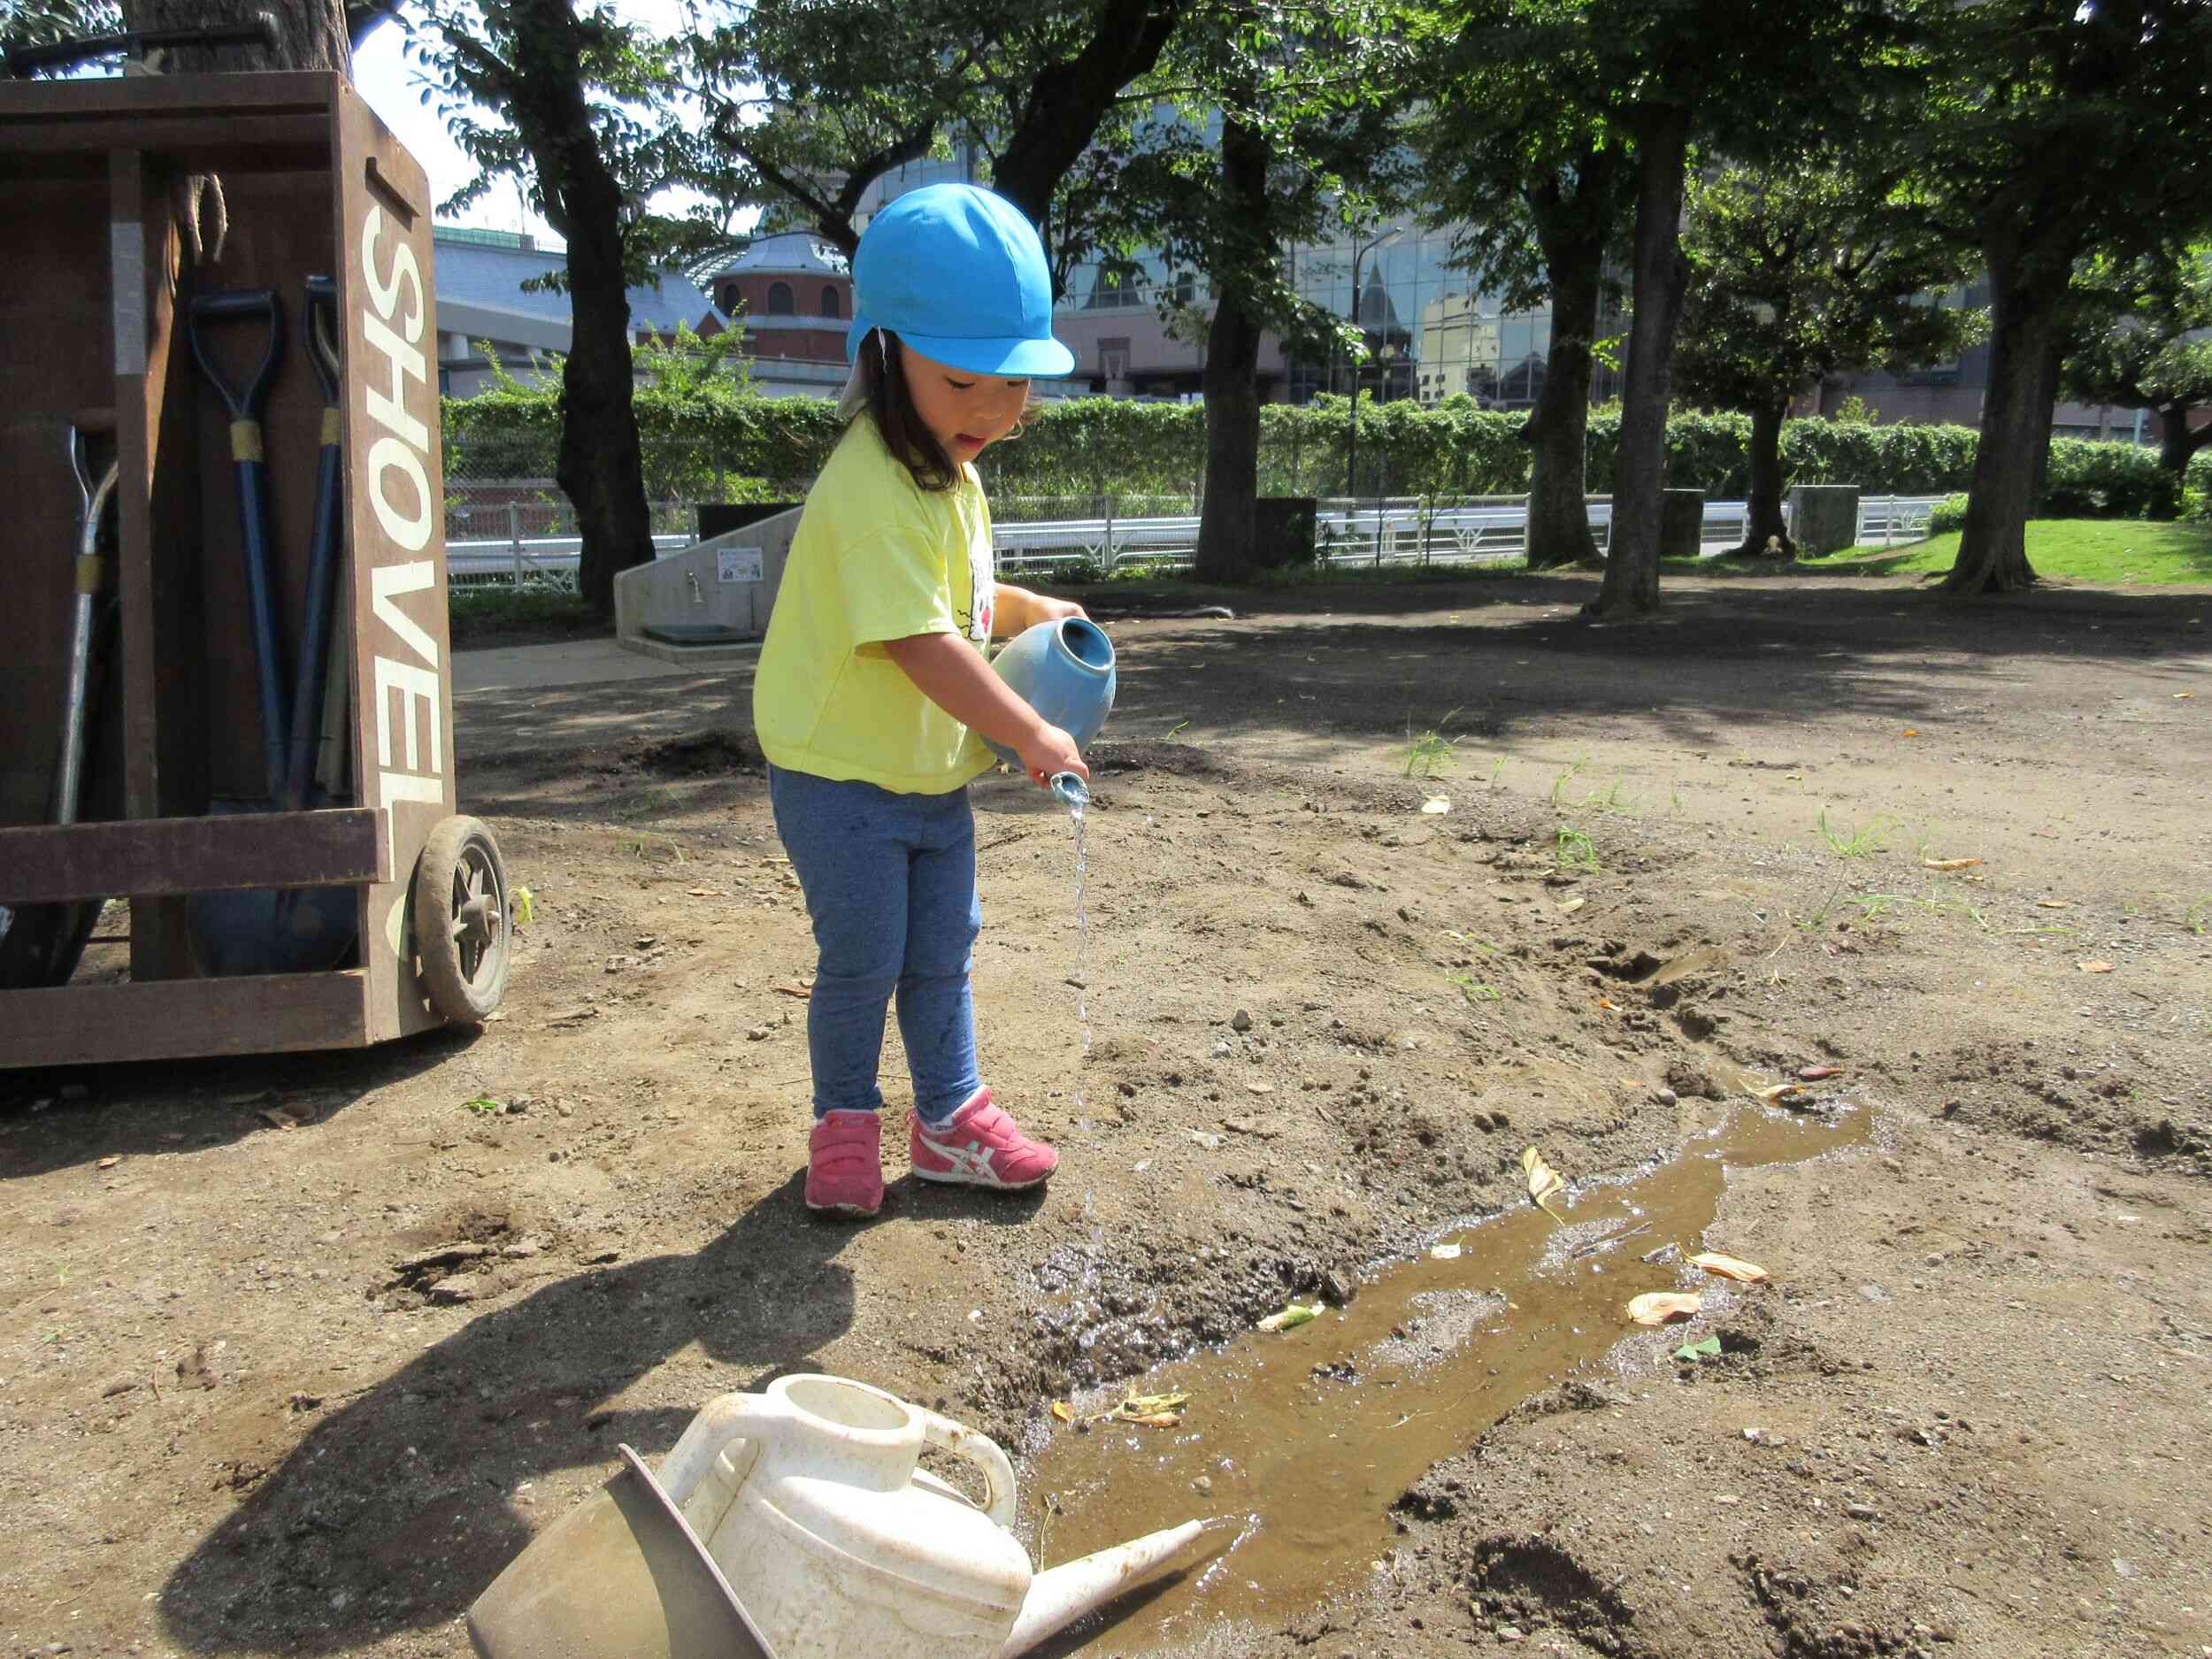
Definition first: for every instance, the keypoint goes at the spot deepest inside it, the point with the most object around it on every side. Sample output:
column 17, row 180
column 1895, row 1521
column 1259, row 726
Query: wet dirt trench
column 1298, row 1444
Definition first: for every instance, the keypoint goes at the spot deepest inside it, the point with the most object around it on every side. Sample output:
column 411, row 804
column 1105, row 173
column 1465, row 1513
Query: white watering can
column 814, row 1515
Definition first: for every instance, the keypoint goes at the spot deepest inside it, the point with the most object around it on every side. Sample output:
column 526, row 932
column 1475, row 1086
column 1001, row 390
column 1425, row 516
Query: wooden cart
column 92, row 292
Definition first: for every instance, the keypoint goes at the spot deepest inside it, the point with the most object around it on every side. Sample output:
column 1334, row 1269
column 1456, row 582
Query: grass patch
column 2106, row 552
column 1430, row 753
column 1856, row 841
column 501, row 616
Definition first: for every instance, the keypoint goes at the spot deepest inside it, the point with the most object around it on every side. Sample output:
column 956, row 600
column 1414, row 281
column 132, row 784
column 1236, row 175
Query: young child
column 872, row 686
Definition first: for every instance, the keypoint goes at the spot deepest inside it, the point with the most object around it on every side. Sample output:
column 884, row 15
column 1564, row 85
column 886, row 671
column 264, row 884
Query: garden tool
column 238, row 933
column 318, row 923
column 40, row 944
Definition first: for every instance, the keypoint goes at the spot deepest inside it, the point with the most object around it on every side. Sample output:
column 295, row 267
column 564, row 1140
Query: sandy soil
column 256, row 1398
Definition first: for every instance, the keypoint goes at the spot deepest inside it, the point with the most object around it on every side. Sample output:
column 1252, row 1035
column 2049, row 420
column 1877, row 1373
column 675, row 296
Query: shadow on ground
column 397, row 1509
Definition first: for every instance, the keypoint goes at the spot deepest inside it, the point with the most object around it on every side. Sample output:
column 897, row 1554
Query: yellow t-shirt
column 876, row 557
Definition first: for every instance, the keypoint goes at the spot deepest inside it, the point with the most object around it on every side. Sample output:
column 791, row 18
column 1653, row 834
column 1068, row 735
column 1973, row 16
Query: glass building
column 1431, row 331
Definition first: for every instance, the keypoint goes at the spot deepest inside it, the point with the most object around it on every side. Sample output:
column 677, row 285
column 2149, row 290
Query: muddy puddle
column 1301, row 1441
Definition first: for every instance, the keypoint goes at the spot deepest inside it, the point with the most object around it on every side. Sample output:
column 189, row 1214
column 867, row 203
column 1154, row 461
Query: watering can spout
column 1057, row 1598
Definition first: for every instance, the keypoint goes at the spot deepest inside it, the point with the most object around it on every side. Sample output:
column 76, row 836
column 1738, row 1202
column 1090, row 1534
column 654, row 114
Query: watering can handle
column 980, row 1450
column 727, row 1418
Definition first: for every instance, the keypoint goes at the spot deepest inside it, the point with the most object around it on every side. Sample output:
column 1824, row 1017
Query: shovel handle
column 306, row 734
column 245, row 406
column 231, row 305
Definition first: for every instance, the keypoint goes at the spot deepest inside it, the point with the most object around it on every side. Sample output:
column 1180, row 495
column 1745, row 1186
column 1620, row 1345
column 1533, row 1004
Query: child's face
column 965, row 413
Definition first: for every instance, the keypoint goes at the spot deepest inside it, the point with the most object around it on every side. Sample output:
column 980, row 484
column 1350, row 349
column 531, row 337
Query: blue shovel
column 261, row 931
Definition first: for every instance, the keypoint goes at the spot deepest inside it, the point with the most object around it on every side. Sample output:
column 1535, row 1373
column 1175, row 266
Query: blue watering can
column 1064, row 670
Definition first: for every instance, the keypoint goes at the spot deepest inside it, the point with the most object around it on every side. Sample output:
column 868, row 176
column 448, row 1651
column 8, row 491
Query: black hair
column 885, row 395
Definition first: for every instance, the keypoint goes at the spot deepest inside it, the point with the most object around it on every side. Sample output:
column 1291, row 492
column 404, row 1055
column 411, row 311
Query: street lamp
column 1360, row 250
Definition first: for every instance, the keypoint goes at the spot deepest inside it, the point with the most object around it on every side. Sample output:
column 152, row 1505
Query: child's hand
column 1047, row 609
column 1050, row 751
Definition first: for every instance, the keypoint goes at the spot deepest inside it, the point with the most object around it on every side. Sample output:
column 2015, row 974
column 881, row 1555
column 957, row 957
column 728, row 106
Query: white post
column 514, row 539
column 1110, row 534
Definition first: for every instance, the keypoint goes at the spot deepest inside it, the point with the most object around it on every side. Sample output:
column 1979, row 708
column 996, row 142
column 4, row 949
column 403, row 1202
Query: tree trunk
column 2047, row 400
column 1226, row 552
column 2176, row 442
column 600, row 466
column 1631, row 565
column 1558, row 502
column 2015, row 434
column 1762, row 514
column 311, row 33
column 1231, row 383
column 1071, row 98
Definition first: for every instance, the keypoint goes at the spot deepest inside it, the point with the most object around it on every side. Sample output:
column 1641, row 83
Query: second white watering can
column 810, row 1497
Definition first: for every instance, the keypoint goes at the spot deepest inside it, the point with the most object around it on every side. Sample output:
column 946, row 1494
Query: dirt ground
column 253, row 1401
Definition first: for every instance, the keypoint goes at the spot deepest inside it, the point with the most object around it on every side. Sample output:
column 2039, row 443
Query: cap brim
column 1015, row 358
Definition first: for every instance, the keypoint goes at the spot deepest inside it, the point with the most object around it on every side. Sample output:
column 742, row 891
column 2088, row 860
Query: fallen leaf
column 2094, row 967
column 1152, row 1411
column 1543, row 1183
column 1663, row 1307
column 110, row 1163
column 1436, row 803
column 2184, row 696
column 1948, row 863
column 1775, row 1095
column 1690, row 1353
column 1291, row 1318
column 1911, row 732
column 1729, row 1267
column 279, row 1119
column 804, row 993
column 1813, row 1073
column 1154, row 1402
column 1571, row 906
column 1064, row 1411
column 706, row 893
column 2053, row 904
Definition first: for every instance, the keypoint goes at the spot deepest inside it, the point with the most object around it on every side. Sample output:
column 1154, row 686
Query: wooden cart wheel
column 460, row 922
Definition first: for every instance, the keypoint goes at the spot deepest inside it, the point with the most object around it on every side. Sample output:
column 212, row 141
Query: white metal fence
column 1399, row 531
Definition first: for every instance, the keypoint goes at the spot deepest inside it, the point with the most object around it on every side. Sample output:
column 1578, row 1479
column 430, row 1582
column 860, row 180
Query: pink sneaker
column 979, row 1146
column 844, row 1165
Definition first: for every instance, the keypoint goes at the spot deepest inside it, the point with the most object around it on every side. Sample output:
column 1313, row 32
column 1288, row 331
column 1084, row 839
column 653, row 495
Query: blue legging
column 890, row 885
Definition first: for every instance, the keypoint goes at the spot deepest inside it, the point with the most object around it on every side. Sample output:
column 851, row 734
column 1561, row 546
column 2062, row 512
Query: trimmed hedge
column 718, row 442
column 2196, row 493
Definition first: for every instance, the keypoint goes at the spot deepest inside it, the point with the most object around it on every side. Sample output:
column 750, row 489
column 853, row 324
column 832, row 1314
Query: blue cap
column 958, row 274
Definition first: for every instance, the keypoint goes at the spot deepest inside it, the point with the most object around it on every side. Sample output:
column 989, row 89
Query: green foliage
column 45, row 22
column 1800, row 273
column 708, row 437
column 619, row 79
column 2197, row 491
column 2108, row 480
column 2146, row 342
column 1949, row 516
